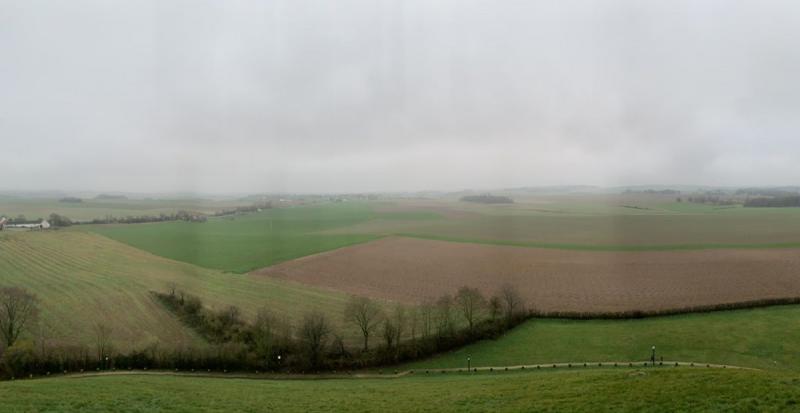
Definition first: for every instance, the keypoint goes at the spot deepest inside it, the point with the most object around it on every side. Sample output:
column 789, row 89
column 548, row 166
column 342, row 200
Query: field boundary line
column 600, row 247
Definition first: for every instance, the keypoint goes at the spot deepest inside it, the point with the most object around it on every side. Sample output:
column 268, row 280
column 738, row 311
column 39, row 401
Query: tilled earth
column 413, row 270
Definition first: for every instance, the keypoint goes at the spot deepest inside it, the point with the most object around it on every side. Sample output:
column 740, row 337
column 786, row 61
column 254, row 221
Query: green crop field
column 760, row 338
column 575, row 226
column 668, row 389
column 245, row 242
column 82, row 278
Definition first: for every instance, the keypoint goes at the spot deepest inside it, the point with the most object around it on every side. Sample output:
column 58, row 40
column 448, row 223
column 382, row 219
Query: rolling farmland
column 83, row 278
column 591, row 223
column 412, row 270
column 312, row 257
column 245, row 242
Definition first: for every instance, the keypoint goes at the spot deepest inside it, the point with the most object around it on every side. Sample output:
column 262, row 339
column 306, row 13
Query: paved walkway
column 390, row 373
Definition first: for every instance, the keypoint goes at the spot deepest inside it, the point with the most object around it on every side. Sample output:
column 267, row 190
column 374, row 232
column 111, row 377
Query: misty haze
column 435, row 206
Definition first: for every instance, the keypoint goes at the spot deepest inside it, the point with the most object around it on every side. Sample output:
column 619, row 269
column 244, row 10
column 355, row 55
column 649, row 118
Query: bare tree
column 495, row 307
column 444, row 316
column 314, row 332
column 102, row 340
column 427, row 311
column 269, row 333
column 512, row 301
column 400, row 323
column 389, row 333
column 471, row 303
column 171, row 287
column 364, row 313
column 17, row 312
column 413, row 323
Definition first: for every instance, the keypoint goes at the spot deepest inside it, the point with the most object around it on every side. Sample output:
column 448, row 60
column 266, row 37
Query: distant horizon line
column 567, row 187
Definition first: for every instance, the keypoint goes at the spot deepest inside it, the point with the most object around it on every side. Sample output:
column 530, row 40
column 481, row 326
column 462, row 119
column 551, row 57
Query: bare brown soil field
column 412, row 270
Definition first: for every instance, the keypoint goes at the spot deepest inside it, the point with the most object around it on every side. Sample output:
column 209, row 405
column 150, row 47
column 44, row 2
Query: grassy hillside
column 682, row 389
column 82, row 278
column 762, row 338
column 245, row 242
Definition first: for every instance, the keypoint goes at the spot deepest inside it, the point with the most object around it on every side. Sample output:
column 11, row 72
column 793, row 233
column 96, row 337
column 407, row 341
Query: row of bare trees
column 433, row 317
column 270, row 341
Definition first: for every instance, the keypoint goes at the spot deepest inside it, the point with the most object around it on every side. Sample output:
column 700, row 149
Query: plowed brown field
column 411, row 270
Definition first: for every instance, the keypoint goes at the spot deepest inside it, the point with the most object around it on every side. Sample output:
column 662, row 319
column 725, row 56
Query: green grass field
column 82, row 278
column 761, row 338
column 640, row 390
column 245, row 242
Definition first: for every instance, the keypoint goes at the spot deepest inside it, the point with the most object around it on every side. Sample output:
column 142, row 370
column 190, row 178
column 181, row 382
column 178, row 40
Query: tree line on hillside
column 487, row 199
column 786, row 201
column 181, row 215
column 270, row 341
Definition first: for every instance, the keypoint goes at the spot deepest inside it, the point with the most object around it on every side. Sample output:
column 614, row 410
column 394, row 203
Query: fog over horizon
column 384, row 96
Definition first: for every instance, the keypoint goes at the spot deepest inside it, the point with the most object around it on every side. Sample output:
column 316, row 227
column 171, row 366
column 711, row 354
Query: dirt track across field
column 412, row 270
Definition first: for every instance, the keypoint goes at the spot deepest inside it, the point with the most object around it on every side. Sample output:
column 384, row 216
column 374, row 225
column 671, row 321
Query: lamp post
column 469, row 363
column 653, row 356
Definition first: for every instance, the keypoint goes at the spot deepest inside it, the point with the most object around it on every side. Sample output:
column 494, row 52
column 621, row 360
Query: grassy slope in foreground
column 762, row 338
column 82, row 278
column 682, row 389
column 246, row 242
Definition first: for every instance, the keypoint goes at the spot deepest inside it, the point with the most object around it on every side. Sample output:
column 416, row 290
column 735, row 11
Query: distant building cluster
column 32, row 226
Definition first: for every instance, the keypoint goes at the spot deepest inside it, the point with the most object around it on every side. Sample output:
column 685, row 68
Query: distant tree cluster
column 776, row 202
column 108, row 197
column 71, row 199
column 652, row 191
column 140, row 219
column 712, row 199
column 768, row 192
column 22, row 219
column 57, row 220
column 487, row 199
column 244, row 209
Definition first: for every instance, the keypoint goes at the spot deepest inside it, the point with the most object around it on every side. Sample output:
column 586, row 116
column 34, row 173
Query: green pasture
column 601, row 390
column 764, row 338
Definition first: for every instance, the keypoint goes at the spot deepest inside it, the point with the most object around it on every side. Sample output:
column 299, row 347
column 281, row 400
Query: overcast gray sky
column 311, row 96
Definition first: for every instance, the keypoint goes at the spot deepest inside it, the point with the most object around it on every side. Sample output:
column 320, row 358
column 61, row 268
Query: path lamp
column 653, row 356
column 469, row 361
